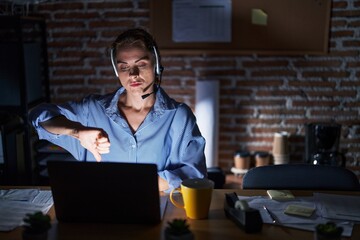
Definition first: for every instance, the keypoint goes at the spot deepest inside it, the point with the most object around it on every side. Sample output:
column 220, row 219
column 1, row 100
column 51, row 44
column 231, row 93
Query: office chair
column 301, row 176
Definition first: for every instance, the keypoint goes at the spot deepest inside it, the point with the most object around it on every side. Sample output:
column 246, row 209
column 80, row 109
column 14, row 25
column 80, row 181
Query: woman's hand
column 95, row 140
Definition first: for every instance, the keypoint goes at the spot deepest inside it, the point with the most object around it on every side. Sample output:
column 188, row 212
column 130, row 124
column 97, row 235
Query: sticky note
column 258, row 17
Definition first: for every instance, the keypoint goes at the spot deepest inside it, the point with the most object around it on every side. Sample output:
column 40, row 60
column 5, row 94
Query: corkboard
column 294, row 27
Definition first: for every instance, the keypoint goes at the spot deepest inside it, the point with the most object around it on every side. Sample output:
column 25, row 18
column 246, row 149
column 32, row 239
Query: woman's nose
column 134, row 71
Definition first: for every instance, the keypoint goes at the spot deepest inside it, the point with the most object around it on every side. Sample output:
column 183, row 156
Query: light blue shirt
column 168, row 137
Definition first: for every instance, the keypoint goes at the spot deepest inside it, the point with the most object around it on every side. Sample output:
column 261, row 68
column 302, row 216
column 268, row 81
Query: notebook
column 105, row 192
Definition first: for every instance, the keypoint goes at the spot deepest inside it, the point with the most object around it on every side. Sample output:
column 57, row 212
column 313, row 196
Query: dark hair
column 135, row 37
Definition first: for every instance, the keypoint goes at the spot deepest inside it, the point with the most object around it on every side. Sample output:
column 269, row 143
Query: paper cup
column 280, row 144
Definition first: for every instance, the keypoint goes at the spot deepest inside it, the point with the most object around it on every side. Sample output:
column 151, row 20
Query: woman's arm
column 93, row 139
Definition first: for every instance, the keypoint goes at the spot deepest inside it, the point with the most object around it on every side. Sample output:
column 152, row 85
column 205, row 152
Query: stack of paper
column 16, row 203
column 342, row 207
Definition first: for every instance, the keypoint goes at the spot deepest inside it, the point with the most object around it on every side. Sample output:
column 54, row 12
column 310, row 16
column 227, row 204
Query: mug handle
column 176, row 204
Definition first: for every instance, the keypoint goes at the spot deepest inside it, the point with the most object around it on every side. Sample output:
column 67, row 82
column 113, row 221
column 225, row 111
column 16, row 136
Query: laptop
column 105, row 192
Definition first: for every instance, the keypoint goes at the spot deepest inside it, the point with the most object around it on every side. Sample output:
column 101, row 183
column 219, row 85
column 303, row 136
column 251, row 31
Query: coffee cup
column 242, row 160
column 280, row 144
column 196, row 194
column 262, row 159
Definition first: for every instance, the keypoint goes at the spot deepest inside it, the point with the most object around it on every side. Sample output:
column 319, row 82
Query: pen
column 272, row 216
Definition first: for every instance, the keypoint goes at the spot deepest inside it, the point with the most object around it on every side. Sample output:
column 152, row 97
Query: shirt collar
column 162, row 102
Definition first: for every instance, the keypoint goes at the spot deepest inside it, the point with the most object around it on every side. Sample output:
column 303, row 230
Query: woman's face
column 136, row 70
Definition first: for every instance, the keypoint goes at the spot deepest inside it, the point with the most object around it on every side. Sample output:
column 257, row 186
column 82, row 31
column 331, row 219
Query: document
column 341, row 207
column 277, row 209
column 16, row 203
column 201, row 21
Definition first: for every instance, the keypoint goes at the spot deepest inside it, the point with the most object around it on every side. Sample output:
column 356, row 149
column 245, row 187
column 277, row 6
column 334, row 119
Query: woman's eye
column 142, row 65
column 124, row 68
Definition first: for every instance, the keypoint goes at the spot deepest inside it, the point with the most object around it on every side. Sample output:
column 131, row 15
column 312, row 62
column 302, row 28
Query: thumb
column 96, row 155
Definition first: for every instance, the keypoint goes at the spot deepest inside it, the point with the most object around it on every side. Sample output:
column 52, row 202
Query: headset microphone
column 146, row 95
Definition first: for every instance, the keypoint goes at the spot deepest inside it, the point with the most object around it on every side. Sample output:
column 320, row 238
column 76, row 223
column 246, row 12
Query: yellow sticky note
column 258, row 17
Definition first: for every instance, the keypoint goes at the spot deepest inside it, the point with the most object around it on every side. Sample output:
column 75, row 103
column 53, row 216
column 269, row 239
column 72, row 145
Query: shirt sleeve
column 188, row 161
column 75, row 111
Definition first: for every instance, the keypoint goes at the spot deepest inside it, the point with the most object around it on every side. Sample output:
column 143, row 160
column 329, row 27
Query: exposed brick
column 211, row 72
column 75, row 34
column 350, row 84
column 278, row 93
column 338, row 23
column 352, row 43
column 73, row 72
column 259, row 121
column 127, row 14
column 263, row 103
column 340, row 4
column 78, row 54
column 343, row 53
column 102, row 81
column 312, row 63
column 352, row 104
column 235, row 92
column 307, row 84
column 110, row 5
column 60, row 6
column 259, row 83
column 76, row 15
column 237, row 129
column 263, row 130
column 62, row 44
column 334, row 113
column 65, row 25
column 65, row 63
column 236, row 111
column 106, row 24
column 281, row 111
column 353, row 64
column 349, row 13
column 342, row 93
column 271, row 73
column 317, row 103
column 277, row 63
column 254, row 139
column 344, row 33
column 326, row 74
column 182, row 73
column 354, row 24
column 215, row 63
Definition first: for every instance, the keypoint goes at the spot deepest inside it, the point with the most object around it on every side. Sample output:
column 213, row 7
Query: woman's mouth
column 135, row 84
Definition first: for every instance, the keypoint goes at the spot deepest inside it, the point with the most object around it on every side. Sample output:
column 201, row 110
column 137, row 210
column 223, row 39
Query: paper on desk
column 16, row 203
column 278, row 208
column 336, row 206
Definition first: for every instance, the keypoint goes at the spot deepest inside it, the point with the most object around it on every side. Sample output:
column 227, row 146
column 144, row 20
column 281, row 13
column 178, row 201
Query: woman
column 138, row 123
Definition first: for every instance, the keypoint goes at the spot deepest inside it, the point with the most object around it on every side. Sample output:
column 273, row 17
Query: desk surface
column 217, row 226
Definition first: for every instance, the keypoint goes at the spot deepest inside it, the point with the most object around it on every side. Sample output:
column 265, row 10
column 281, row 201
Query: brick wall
column 259, row 95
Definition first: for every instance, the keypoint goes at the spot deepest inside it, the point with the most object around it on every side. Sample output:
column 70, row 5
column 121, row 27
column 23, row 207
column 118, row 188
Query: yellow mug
column 196, row 194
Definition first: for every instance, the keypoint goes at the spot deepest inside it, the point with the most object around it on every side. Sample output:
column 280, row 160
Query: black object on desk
column 248, row 219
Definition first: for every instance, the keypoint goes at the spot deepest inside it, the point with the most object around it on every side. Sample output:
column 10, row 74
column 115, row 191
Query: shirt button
column 133, row 146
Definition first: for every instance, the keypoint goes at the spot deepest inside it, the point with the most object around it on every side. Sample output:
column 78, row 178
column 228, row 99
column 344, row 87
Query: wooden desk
column 217, row 226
